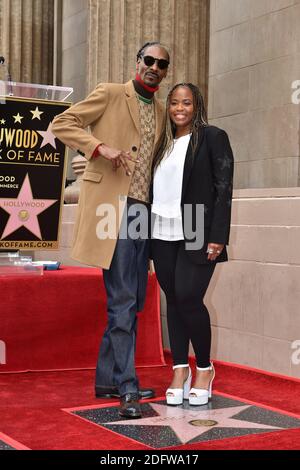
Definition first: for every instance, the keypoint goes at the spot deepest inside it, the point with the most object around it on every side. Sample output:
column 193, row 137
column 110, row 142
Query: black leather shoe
column 145, row 393
column 129, row 406
column 112, row 392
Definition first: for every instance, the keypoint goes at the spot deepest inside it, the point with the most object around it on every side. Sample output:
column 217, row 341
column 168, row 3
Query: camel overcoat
column 111, row 112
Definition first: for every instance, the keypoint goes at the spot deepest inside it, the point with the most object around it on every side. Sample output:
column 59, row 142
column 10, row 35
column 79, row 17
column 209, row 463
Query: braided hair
column 199, row 121
column 142, row 50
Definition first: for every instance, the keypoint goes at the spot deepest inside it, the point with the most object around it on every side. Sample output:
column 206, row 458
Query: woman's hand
column 214, row 250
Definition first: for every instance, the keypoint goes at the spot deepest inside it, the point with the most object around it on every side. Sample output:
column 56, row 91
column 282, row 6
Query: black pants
column 184, row 284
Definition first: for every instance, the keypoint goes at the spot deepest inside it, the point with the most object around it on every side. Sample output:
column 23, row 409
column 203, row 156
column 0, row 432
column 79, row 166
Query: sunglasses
column 161, row 63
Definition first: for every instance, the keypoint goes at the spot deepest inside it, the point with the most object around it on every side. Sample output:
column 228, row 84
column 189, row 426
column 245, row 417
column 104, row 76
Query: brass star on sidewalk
column 189, row 424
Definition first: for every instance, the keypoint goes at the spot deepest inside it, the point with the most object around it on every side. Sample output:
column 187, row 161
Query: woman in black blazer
column 192, row 193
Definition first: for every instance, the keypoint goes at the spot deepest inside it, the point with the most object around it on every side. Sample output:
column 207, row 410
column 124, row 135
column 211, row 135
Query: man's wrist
column 97, row 151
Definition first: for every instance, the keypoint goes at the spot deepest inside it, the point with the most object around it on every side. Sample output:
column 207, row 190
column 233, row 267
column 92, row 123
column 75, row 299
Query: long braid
column 199, row 121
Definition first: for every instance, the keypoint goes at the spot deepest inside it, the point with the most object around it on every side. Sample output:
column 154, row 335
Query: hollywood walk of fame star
column 180, row 420
column 18, row 118
column 24, row 210
column 36, row 113
column 48, row 137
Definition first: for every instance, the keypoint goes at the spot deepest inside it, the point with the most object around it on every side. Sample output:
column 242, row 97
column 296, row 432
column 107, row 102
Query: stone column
column 100, row 39
column 73, row 15
column 118, row 28
column 26, row 39
column 72, row 191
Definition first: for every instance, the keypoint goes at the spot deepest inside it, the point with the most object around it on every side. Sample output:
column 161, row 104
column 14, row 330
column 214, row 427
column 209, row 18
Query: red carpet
column 31, row 408
column 56, row 321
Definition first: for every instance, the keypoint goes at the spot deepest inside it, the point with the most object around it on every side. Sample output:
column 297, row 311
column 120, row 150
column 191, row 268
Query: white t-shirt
column 167, row 188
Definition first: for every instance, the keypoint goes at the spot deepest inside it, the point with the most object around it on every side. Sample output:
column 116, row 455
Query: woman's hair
column 199, row 121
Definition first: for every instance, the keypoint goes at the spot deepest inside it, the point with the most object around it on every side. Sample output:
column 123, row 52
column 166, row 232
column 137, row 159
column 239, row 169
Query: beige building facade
column 254, row 62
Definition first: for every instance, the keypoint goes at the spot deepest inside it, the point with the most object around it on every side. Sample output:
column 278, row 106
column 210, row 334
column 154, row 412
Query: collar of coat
column 132, row 102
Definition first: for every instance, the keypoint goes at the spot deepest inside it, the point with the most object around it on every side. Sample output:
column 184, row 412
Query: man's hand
column 117, row 157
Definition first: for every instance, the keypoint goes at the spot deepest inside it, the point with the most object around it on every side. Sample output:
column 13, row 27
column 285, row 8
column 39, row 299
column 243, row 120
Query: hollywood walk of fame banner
column 32, row 174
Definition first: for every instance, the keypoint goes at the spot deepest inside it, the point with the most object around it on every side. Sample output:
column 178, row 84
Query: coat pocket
column 92, row 176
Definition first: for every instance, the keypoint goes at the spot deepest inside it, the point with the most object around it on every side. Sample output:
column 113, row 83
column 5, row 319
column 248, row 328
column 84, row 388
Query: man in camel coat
column 126, row 121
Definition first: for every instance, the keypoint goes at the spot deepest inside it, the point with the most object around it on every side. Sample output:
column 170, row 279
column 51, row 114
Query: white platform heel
column 200, row 396
column 175, row 396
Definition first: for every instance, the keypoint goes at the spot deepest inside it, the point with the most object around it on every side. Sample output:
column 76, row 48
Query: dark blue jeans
column 125, row 282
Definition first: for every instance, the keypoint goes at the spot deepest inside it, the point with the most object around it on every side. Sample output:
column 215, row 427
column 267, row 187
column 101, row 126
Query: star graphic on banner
column 48, row 137
column 189, row 424
column 18, row 118
column 36, row 113
column 24, row 210
column 2, row 121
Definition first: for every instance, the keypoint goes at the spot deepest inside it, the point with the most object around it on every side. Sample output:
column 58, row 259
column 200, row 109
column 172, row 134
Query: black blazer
column 207, row 180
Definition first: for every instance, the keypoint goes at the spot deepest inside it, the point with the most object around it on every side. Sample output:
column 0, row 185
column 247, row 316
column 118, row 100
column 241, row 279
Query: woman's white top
column 167, row 188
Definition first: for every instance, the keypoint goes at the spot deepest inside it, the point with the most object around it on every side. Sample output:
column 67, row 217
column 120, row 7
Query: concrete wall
column 74, row 53
column 74, row 46
column 254, row 299
column 254, row 58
